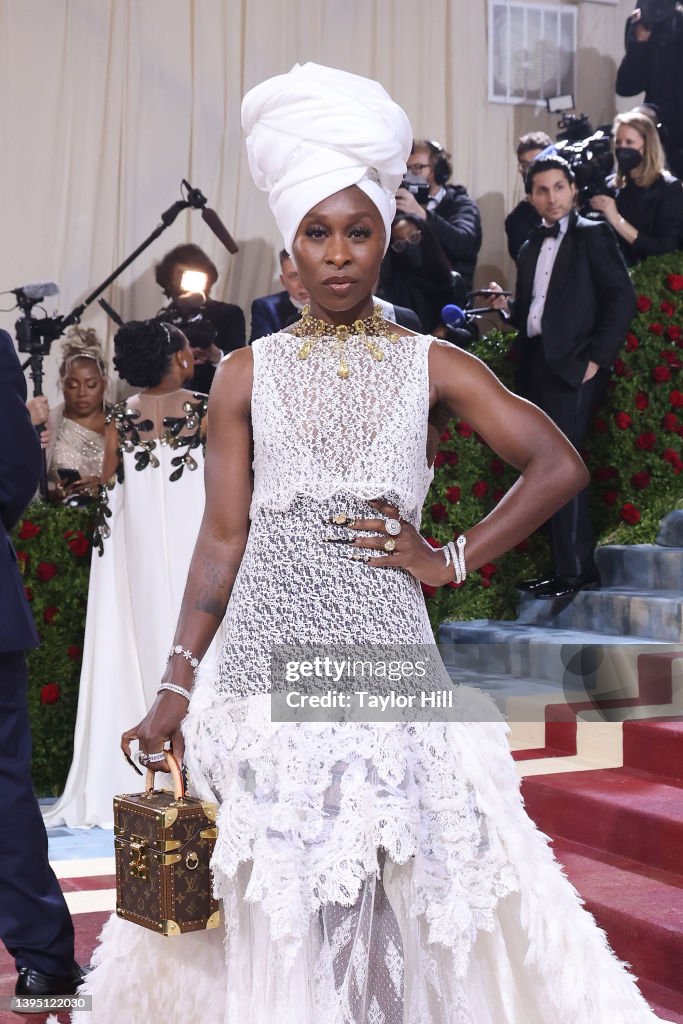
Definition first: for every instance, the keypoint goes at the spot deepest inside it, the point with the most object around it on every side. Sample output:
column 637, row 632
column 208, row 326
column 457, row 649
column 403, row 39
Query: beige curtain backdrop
column 107, row 104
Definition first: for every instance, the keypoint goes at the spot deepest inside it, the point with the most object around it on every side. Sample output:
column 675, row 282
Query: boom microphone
column 219, row 229
column 36, row 292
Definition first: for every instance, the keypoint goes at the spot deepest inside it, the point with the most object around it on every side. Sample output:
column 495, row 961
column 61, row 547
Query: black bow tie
column 551, row 232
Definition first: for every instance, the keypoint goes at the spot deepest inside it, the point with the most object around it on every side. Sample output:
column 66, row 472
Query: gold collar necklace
column 312, row 330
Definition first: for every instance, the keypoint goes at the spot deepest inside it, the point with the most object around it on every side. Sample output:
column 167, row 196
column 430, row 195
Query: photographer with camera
column 213, row 328
column 653, row 64
column 451, row 214
column 647, row 213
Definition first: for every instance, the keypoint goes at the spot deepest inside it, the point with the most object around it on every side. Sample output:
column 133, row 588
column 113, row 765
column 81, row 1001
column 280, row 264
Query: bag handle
column 176, row 775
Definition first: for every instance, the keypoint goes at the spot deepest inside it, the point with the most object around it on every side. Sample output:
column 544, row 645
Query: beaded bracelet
column 174, row 688
column 187, row 655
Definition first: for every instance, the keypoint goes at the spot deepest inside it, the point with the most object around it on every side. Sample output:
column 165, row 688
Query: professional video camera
column 417, row 186
column 589, row 155
column 664, row 18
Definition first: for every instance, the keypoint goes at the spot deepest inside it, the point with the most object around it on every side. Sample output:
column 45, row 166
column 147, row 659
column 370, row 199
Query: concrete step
column 619, row 611
column 583, row 661
column 640, row 566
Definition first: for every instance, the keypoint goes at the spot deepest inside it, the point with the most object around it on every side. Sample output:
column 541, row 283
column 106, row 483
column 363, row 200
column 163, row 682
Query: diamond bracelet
column 187, row 655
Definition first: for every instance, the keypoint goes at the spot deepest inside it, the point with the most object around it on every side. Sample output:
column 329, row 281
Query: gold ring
column 389, row 545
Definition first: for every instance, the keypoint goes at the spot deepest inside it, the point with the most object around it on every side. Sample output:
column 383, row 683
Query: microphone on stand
column 35, row 292
column 219, row 229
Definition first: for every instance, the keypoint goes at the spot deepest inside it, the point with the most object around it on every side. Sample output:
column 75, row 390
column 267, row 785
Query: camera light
column 194, row 281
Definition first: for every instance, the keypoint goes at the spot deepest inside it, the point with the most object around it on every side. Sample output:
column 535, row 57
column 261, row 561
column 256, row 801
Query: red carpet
column 619, row 833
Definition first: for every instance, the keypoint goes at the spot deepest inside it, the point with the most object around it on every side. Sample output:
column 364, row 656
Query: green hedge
column 633, row 452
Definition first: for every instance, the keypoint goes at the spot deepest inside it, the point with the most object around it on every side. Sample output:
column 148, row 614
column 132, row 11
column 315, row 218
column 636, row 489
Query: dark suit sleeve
column 228, row 319
column 459, row 229
column 614, row 294
column 261, row 320
column 635, row 70
column 20, row 454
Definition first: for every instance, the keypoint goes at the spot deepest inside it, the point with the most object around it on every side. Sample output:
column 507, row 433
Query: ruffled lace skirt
column 370, row 872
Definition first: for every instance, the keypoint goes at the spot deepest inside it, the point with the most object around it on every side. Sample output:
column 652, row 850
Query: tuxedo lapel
column 561, row 277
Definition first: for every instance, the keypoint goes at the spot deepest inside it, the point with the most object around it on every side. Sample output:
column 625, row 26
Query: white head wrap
column 316, row 131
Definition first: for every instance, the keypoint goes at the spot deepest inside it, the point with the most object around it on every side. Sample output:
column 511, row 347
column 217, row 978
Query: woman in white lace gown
column 149, row 516
column 370, row 873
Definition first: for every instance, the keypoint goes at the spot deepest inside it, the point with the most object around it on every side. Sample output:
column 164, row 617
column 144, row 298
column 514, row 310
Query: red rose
column 671, row 358
column 646, row 442
column 428, row 590
column 489, row 569
column 523, row 545
column 49, row 614
column 497, row 467
column 667, row 308
column 485, row 581
column 439, row 460
column 28, row 530
column 610, row 497
column 643, row 304
column 50, row 693
column 80, row 545
column 629, row 513
column 656, row 328
column 641, row 400
column 620, row 367
column 641, row 480
column 29, row 593
column 439, row 512
column 600, row 425
column 676, row 399
column 498, row 494
column 675, row 282
column 661, row 373
column 623, row 420
column 673, row 332
column 453, row 495
column 446, row 436
column 480, row 489
column 452, row 458
column 604, row 473
column 632, row 342
column 46, row 571
column 73, row 651
column 23, row 557
column 670, row 421
column 670, row 455
column 464, row 429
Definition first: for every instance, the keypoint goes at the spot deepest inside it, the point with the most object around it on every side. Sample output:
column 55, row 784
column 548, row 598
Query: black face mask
column 628, row 159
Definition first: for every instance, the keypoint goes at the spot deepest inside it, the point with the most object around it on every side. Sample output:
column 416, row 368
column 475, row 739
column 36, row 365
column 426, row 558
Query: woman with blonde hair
column 647, row 212
column 76, row 426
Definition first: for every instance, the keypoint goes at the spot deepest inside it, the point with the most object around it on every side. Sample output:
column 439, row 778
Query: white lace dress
column 371, row 873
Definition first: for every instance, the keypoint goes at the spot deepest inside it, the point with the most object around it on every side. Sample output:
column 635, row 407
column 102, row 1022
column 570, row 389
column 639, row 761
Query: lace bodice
column 316, row 434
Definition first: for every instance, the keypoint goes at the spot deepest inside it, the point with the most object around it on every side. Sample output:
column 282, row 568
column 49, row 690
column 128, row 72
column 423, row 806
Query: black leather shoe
column 565, row 586
column 528, row 585
column 34, row 983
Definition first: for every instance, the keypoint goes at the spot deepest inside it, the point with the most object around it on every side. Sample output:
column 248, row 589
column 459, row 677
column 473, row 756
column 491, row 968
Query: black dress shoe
column 528, row 585
column 34, row 983
column 565, row 586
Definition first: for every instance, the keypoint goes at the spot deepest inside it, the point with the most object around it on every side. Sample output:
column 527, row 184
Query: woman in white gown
column 370, row 873
column 149, row 517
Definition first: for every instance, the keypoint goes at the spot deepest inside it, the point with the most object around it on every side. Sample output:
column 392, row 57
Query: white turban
column 316, row 131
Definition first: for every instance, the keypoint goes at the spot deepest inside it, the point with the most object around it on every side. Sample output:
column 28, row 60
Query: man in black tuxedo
column 35, row 924
column 573, row 305
column 272, row 313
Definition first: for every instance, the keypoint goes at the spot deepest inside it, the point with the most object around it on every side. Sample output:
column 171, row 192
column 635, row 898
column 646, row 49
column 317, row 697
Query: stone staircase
column 592, row 687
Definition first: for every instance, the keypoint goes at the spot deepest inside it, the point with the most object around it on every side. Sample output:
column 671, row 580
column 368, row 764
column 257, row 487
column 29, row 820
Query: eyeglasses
column 402, row 243
column 417, row 168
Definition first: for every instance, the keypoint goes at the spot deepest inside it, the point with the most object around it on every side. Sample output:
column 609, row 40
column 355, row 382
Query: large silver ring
column 393, row 527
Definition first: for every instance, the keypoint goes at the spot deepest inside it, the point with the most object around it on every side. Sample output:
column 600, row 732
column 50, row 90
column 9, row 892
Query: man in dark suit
column 272, row 313
column 573, row 306
column 35, row 924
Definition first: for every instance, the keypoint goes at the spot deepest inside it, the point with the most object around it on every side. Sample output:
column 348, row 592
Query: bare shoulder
column 234, row 379
column 448, row 362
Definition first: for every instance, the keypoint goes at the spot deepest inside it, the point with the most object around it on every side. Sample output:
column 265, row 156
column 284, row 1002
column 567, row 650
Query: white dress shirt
column 544, row 269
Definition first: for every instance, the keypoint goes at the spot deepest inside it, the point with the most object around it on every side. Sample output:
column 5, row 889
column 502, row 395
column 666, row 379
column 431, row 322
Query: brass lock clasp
column 137, row 865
